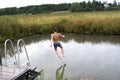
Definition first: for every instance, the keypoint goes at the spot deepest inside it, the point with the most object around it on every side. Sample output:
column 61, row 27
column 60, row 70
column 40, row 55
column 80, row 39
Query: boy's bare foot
column 60, row 57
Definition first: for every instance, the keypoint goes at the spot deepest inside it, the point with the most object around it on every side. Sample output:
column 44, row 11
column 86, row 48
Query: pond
column 87, row 57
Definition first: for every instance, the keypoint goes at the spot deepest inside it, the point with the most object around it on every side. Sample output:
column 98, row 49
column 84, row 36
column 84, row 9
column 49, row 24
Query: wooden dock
column 8, row 73
column 17, row 73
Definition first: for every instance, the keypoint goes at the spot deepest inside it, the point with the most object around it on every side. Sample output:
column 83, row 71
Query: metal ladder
column 28, row 73
column 17, row 59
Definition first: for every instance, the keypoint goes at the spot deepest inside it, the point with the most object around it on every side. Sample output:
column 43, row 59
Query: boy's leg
column 55, row 48
column 62, row 50
column 57, row 53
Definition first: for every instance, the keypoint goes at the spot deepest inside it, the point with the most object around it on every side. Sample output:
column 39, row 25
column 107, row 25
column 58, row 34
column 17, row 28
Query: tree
column 75, row 7
column 114, row 3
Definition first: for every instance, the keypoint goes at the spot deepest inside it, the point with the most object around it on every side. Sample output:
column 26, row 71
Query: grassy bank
column 18, row 26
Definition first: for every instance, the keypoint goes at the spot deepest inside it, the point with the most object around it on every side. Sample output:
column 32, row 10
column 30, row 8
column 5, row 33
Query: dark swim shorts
column 57, row 44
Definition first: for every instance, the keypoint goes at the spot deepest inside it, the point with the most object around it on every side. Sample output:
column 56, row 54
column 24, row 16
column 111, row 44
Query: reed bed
column 101, row 23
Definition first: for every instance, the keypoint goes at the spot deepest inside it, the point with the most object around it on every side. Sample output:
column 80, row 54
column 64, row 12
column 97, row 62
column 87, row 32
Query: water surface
column 86, row 57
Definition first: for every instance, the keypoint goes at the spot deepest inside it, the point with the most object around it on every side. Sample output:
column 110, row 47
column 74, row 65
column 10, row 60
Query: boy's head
column 55, row 30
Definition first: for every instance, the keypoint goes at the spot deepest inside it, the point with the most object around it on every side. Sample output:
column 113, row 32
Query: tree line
column 73, row 7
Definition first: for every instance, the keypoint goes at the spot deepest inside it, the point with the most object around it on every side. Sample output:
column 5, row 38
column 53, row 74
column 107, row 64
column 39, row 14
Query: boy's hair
column 55, row 30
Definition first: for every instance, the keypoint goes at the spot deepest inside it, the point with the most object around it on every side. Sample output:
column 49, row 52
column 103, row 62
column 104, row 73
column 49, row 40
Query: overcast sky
column 20, row 3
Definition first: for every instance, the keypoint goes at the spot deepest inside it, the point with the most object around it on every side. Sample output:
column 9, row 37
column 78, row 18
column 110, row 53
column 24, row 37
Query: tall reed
column 18, row 26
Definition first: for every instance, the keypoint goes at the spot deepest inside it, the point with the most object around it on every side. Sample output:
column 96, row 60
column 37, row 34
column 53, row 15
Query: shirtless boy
column 55, row 39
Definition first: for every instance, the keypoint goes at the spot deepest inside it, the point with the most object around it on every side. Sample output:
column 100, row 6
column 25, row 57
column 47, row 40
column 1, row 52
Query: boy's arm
column 61, row 35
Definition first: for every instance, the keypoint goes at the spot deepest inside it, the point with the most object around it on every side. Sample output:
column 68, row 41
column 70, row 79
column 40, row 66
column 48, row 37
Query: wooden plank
column 7, row 73
column 17, row 73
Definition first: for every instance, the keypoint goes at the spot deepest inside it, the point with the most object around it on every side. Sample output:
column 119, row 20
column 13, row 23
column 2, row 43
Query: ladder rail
column 5, row 50
column 18, row 48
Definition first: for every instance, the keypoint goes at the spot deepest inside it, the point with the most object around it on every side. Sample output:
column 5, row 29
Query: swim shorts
column 57, row 44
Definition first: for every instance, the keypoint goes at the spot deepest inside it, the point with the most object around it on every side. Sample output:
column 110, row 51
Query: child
column 55, row 39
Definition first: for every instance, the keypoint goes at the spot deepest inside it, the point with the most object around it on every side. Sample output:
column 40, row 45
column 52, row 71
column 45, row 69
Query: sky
column 21, row 3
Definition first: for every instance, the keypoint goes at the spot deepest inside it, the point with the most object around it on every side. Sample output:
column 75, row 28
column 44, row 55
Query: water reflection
column 78, row 38
column 60, row 72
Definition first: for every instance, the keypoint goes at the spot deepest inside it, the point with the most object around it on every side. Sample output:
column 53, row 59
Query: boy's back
column 56, row 37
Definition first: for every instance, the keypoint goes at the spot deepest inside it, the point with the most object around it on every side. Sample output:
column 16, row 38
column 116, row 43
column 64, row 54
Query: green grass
column 101, row 23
